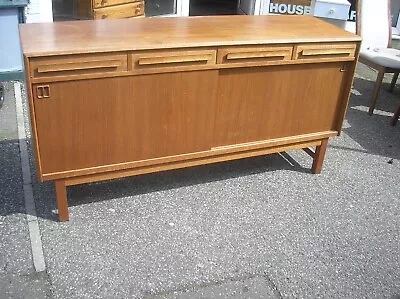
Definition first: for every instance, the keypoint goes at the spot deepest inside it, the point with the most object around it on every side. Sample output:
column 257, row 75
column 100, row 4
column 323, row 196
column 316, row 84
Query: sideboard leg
column 319, row 157
column 62, row 203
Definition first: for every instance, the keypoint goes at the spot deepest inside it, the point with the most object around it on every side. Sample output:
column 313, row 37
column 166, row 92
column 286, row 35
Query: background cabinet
column 108, row 9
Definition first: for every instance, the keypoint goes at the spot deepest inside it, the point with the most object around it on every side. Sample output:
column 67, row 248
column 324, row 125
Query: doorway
column 63, row 10
column 160, row 8
column 213, row 7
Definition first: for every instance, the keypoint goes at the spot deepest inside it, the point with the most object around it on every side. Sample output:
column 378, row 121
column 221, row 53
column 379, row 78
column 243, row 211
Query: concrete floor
column 255, row 228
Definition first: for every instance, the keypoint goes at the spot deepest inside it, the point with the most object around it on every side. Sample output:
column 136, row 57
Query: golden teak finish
column 128, row 10
column 125, row 97
column 77, row 37
column 128, row 119
column 108, row 9
column 107, row 3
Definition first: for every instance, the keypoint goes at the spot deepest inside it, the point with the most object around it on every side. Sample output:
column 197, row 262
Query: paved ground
column 18, row 278
column 256, row 228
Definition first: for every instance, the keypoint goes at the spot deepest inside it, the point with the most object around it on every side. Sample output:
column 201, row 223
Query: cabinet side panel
column 350, row 68
column 97, row 122
column 273, row 102
column 33, row 118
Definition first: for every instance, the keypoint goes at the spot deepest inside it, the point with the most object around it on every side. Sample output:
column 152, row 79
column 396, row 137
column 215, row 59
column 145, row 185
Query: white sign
column 290, row 9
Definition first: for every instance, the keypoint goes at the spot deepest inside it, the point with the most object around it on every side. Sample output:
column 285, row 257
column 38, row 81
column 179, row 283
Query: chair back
column 374, row 23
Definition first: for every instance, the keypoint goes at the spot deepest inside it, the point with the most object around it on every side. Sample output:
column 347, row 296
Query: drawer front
column 77, row 65
column 106, row 3
column 254, row 55
column 331, row 10
column 120, row 11
column 326, row 52
column 177, row 60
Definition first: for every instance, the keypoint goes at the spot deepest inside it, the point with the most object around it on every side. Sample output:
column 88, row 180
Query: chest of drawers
column 109, row 9
column 331, row 9
column 132, row 96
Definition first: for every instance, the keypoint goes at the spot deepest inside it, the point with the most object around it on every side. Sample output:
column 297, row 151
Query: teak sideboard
column 116, row 98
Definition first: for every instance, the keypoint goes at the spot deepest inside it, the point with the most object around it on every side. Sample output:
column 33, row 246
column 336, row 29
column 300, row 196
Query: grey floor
column 255, row 228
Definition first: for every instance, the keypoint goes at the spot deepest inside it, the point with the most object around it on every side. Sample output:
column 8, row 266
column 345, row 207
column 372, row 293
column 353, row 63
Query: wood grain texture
column 167, row 33
column 62, row 202
column 117, row 98
column 319, row 157
column 240, row 149
column 135, row 69
column 270, row 102
column 325, row 51
column 177, row 60
column 33, row 118
column 119, row 11
column 64, row 65
column 106, row 3
column 128, row 119
column 259, row 55
column 350, row 69
column 188, row 163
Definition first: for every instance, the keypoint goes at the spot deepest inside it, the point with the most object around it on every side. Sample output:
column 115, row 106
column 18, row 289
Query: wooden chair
column 395, row 117
column 374, row 26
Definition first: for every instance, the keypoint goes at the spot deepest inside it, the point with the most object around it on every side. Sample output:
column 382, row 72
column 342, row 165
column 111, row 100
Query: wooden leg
column 319, row 156
column 62, row 203
column 395, row 117
column 394, row 80
column 375, row 93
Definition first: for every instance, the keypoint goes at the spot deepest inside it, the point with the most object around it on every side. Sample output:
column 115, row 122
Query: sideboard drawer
column 254, row 55
column 77, row 65
column 106, row 3
column 331, row 52
column 142, row 62
column 331, row 9
column 120, row 11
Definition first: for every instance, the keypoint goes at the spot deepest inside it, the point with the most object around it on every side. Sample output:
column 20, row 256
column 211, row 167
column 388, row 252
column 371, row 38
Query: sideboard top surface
column 78, row 37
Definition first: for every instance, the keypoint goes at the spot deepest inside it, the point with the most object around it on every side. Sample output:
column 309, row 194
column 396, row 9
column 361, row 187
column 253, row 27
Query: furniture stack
column 109, row 9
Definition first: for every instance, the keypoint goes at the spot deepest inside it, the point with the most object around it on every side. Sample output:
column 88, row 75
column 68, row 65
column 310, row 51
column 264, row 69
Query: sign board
column 39, row 11
column 301, row 7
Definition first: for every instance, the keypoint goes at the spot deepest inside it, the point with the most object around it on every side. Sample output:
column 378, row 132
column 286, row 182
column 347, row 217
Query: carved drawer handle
column 344, row 50
column 174, row 59
column 104, row 16
column 311, row 52
column 73, row 66
column 261, row 54
column 103, row 2
column 43, row 91
column 138, row 8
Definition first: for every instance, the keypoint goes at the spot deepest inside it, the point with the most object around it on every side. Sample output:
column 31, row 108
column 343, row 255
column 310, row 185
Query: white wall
column 39, row 11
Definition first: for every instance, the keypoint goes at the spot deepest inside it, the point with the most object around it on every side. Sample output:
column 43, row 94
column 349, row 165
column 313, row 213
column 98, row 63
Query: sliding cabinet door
column 97, row 122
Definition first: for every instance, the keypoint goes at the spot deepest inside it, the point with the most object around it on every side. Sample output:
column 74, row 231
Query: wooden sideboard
column 117, row 98
column 108, row 9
